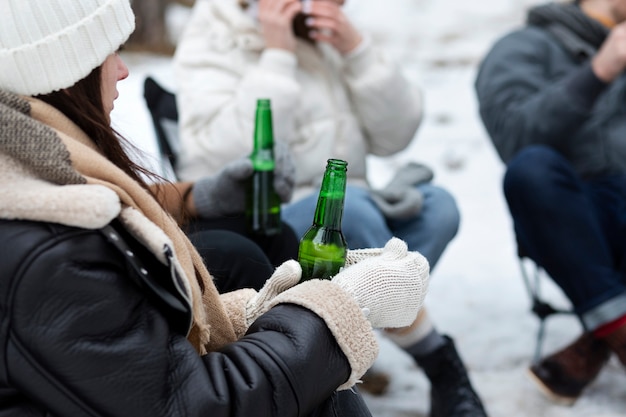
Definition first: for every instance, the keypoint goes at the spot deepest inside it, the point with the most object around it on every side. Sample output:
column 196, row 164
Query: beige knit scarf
column 43, row 147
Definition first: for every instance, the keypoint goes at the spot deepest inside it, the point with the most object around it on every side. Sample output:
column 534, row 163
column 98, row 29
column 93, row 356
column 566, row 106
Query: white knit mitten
column 390, row 287
column 286, row 276
column 354, row 256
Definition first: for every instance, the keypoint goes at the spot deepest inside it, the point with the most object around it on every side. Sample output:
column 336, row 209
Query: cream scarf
column 54, row 172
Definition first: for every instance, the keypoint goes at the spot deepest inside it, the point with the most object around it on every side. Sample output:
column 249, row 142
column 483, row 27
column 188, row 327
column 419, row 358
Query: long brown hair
column 82, row 103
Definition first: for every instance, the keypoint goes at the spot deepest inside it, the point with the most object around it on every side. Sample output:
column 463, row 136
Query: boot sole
column 551, row 395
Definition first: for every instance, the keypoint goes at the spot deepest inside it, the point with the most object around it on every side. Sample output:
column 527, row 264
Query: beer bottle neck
column 262, row 155
column 329, row 210
column 263, row 134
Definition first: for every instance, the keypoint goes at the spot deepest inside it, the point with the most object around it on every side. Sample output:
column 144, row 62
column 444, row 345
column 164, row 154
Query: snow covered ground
column 476, row 294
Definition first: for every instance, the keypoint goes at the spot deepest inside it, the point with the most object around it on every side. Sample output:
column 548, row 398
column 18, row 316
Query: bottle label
column 321, row 261
column 262, row 160
column 263, row 208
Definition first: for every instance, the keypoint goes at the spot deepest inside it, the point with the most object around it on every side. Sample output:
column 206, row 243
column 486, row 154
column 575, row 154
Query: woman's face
column 113, row 70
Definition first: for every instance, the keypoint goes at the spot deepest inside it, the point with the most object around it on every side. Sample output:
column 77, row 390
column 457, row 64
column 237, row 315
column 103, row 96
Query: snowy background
column 477, row 293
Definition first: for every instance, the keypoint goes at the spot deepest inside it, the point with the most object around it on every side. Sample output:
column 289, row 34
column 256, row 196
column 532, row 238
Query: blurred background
column 477, row 293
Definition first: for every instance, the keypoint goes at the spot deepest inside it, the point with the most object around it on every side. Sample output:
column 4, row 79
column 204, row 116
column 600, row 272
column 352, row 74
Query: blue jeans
column 364, row 226
column 572, row 227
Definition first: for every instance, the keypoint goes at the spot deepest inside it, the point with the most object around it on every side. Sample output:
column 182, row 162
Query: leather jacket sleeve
column 82, row 339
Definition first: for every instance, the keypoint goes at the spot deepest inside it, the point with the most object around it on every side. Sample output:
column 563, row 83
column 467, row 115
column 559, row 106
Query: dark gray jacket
column 532, row 90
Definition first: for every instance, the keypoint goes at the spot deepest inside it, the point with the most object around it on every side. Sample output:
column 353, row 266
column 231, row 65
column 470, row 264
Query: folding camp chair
column 533, row 275
column 161, row 104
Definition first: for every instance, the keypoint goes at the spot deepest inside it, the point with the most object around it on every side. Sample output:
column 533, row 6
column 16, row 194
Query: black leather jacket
column 87, row 331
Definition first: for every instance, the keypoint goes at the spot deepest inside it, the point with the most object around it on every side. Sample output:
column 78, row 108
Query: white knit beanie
column 47, row 45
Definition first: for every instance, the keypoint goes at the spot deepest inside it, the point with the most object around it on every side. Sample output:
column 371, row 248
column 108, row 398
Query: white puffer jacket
column 324, row 105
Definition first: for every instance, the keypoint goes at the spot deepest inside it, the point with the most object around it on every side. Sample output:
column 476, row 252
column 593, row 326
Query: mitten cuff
column 235, row 304
column 202, row 196
column 354, row 256
column 343, row 317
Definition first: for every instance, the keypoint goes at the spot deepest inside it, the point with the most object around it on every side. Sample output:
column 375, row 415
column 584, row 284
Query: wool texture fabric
column 390, row 287
column 57, row 152
column 49, row 45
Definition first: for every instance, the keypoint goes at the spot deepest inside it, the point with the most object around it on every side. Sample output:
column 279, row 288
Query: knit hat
column 52, row 44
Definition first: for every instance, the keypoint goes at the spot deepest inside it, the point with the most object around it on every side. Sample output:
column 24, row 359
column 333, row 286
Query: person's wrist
column 201, row 198
column 283, row 46
column 354, row 47
column 361, row 59
column 605, row 72
column 189, row 202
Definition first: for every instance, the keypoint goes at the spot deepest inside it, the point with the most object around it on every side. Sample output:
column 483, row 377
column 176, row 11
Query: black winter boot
column 451, row 392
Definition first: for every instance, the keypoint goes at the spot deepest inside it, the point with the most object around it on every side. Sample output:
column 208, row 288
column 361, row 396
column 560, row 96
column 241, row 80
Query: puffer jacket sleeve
column 81, row 339
column 523, row 99
column 221, row 69
column 388, row 106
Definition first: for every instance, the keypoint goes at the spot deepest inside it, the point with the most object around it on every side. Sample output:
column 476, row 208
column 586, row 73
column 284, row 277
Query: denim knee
column 363, row 225
column 529, row 172
column 441, row 212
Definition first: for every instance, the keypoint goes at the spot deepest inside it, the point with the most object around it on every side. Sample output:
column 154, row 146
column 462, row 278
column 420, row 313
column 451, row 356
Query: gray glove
column 225, row 192
column 284, row 171
column 400, row 199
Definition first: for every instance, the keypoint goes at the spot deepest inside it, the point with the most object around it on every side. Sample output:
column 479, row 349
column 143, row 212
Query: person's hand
column 225, row 192
column 329, row 24
column 389, row 287
column 275, row 17
column 286, row 276
column 398, row 204
column 610, row 61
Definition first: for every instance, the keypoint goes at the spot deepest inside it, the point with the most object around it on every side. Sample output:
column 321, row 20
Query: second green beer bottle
column 263, row 204
column 322, row 251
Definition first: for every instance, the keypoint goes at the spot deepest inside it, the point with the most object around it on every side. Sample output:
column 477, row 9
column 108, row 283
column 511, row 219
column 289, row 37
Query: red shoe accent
column 607, row 329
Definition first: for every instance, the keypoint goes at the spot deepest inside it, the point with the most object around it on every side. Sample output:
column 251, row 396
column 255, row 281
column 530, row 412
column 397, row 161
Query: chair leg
column 539, row 307
column 541, row 332
column 532, row 292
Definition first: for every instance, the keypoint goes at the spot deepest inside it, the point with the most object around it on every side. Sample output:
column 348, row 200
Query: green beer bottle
column 322, row 251
column 263, row 204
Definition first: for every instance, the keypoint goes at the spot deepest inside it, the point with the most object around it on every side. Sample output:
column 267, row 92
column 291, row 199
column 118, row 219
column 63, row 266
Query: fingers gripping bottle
column 322, row 251
column 263, row 204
